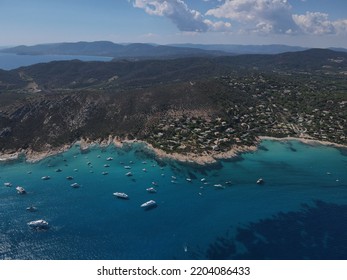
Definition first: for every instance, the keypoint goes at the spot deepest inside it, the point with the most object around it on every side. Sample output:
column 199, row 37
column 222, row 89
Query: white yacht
column 20, row 190
column 149, row 204
column 121, row 195
column 260, row 181
column 129, row 174
column 45, row 178
column 7, row 184
column 109, row 159
column 151, row 190
column 38, row 224
column 75, row 185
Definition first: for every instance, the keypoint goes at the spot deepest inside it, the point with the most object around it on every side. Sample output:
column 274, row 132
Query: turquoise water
column 193, row 220
column 9, row 61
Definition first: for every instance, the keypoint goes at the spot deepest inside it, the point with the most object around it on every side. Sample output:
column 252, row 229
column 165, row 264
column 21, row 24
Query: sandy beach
column 308, row 141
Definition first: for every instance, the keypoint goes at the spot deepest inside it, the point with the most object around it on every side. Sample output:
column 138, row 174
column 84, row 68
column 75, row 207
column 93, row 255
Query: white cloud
column 265, row 16
column 218, row 26
column 183, row 17
column 251, row 16
column 186, row 19
column 341, row 26
column 319, row 24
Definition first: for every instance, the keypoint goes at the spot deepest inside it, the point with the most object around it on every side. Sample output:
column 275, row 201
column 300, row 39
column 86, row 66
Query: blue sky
column 310, row 23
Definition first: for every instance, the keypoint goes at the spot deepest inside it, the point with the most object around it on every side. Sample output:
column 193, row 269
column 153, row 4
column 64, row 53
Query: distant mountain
column 251, row 49
column 147, row 51
column 245, row 49
column 338, row 49
column 119, row 51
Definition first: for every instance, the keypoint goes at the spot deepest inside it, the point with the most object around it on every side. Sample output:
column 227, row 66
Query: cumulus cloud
column 256, row 16
column 181, row 15
column 319, row 24
column 219, row 26
column 266, row 16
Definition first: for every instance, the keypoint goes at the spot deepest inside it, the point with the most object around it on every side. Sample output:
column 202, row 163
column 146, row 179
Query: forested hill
column 119, row 74
column 188, row 105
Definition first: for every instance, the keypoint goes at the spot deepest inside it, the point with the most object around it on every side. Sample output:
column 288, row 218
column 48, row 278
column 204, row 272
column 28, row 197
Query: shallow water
column 193, row 220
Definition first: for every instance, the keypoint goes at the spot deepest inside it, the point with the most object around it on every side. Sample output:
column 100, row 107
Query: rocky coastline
column 205, row 158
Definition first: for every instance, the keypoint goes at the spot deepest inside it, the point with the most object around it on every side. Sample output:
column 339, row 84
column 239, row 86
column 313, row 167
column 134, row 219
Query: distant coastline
column 200, row 159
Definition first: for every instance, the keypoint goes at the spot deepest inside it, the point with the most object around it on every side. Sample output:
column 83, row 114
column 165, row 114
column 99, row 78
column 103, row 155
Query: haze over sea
column 299, row 213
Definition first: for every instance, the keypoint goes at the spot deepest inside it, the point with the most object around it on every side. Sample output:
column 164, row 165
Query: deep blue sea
column 10, row 61
column 300, row 212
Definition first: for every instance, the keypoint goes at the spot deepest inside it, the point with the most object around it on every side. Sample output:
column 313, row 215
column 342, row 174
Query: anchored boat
column 121, row 195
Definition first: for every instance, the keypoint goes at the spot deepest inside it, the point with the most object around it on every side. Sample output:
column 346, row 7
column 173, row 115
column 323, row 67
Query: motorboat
column 260, row 181
column 219, row 186
column 75, row 185
column 58, row 170
column 154, row 183
column 69, row 178
column 149, row 204
column 109, row 158
column 45, row 178
column 129, row 174
column 38, row 224
column 31, row 208
column 106, row 165
column 104, row 173
column 20, row 190
column 151, row 190
column 7, row 184
column 121, row 195
column 189, row 180
column 127, row 167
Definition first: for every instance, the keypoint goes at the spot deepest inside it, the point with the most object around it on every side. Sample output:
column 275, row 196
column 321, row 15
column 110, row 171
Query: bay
column 300, row 211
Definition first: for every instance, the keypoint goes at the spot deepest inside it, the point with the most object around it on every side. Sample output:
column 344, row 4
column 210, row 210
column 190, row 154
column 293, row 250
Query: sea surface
column 9, row 61
column 300, row 212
